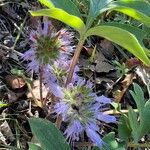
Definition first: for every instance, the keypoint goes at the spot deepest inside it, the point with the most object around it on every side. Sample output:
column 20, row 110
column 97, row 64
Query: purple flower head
column 48, row 45
column 51, row 82
column 61, row 69
column 49, row 54
column 86, row 108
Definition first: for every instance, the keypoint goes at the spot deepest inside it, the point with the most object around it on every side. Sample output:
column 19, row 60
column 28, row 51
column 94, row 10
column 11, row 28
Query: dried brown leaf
column 36, row 90
column 15, row 82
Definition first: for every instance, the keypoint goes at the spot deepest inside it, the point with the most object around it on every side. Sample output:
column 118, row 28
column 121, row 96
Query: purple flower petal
column 92, row 124
column 103, row 99
column 94, row 136
column 50, row 81
column 106, row 118
column 89, row 84
column 61, row 108
column 56, row 90
column 33, row 66
column 74, row 130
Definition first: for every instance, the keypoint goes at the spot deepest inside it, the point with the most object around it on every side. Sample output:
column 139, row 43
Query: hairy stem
column 41, row 76
column 74, row 61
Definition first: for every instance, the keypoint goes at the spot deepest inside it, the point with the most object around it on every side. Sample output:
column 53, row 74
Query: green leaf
column 110, row 143
column 126, row 40
column 147, row 51
column 138, row 9
column 17, row 72
column 116, row 105
column 62, row 16
column 47, row 3
column 66, row 5
column 124, row 129
column 144, row 110
column 144, row 121
column 134, row 124
column 138, row 33
column 138, row 96
column 96, row 7
column 48, row 135
column 33, row 146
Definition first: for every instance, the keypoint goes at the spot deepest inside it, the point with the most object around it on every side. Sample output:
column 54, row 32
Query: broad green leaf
column 48, row 135
column 138, row 9
column 121, row 37
column 138, row 96
column 62, row 16
column 33, row 146
column 147, row 51
column 47, row 3
column 96, row 7
column 134, row 124
column 144, row 110
column 66, row 5
column 124, row 129
column 138, row 33
column 144, row 120
column 110, row 143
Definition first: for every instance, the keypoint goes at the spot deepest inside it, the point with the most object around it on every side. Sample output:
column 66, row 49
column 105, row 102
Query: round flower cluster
column 82, row 109
column 77, row 104
column 49, row 53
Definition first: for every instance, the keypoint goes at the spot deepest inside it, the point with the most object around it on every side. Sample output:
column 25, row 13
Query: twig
column 115, row 112
column 41, row 91
column 58, row 121
column 20, row 31
column 139, row 145
column 11, row 50
column 83, row 144
column 74, row 61
column 86, row 144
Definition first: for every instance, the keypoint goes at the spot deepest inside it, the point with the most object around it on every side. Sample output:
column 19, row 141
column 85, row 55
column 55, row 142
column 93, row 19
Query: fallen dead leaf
column 143, row 73
column 5, row 129
column 118, row 94
column 102, row 64
column 107, row 48
column 36, row 90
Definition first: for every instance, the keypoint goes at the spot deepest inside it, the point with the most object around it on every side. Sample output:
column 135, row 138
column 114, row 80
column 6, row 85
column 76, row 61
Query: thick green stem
column 74, row 61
